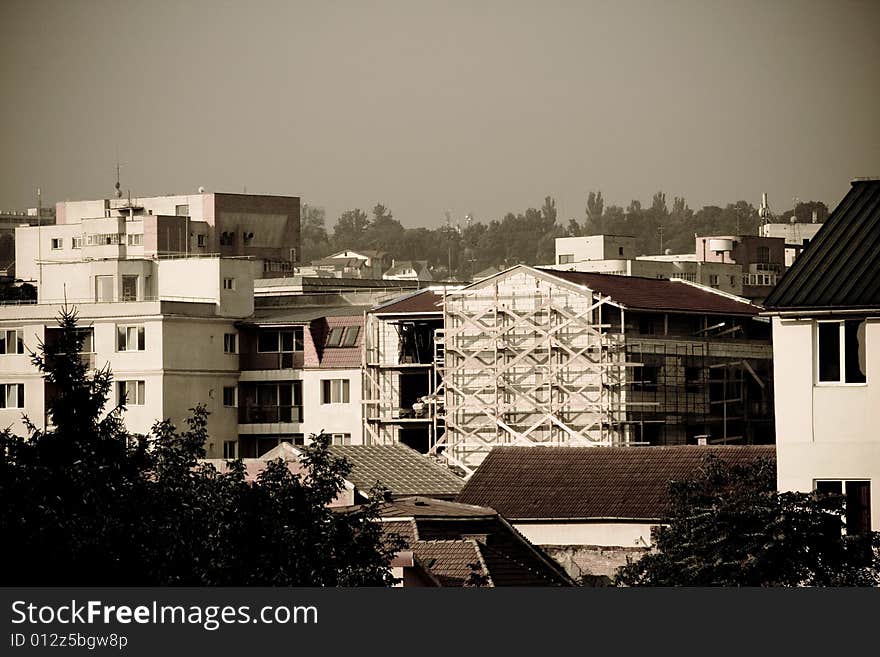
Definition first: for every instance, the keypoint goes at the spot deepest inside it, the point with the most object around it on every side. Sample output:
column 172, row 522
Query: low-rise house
column 466, row 545
column 590, row 508
column 826, row 332
column 409, row 270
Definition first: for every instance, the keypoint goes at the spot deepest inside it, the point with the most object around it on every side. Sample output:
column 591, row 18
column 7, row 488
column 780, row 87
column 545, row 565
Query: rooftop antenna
column 118, row 187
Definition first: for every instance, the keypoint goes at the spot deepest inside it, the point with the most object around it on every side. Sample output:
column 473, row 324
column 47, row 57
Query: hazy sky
column 480, row 107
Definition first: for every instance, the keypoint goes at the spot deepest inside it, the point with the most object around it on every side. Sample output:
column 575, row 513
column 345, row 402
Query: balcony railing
column 269, row 414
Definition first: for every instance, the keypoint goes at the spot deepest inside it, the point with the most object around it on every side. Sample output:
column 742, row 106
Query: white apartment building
column 826, row 328
column 159, row 285
column 300, row 375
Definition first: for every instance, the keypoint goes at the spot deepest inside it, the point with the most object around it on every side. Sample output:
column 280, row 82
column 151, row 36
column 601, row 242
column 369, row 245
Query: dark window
column 763, row 255
column 335, row 337
column 620, row 250
column 229, row 395
column 857, row 503
column 351, row 335
column 646, row 325
column 230, row 449
column 829, row 351
column 566, row 258
column 842, row 351
column 284, row 341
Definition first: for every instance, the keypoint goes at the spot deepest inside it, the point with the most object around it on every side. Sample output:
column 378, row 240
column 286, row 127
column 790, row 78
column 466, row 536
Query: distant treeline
column 462, row 250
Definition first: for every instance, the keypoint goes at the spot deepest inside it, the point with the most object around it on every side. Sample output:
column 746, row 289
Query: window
column 763, row 254
column 227, row 238
column 857, row 502
column 229, row 396
column 646, row 325
column 131, row 393
column 732, row 281
column 12, row 341
column 230, row 449
column 11, row 395
column 136, row 239
column 57, row 243
column 77, row 242
column 181, row 210
column 620, row 250
column 841, row 351
column 565, row 258
column 103, row 288
column 343, row 336
column 271, row 402
column 200, row 240
column 129, row 288
column 341, row 438
column 713, row 280
column 130, row 338
column 334, row 391
column 247, row 238
column 646, row 375
column 230, row 343
column 280, row 341
column 692, row 378
column 228, row 283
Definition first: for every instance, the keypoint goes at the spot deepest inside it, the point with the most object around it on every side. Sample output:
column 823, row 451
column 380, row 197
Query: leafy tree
column 86, row 503
column 313, row 234
column 595, row 207
column 350, row 230
column 22, row 292
column 729, row 527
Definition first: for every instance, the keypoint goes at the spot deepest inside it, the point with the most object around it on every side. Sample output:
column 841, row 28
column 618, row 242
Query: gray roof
column 399, row 468
column 841, row 266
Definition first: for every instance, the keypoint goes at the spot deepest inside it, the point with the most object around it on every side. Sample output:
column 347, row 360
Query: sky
column 471, row 107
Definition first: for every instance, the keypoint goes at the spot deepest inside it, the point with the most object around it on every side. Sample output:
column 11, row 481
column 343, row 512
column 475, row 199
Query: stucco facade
column 825, row 431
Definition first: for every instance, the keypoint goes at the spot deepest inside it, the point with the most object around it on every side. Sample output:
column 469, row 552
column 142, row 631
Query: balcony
column 272, row 360
column 269, row 414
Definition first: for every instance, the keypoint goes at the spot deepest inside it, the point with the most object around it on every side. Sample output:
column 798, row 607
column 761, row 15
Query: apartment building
column 796, row 235
column 156, row 300
column 300, row 375
column 761, row 259
column 168, row 351
column 265, row 228
column 826, row 328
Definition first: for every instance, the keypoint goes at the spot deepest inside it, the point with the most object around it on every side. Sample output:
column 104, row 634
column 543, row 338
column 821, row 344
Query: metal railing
column 269, row 414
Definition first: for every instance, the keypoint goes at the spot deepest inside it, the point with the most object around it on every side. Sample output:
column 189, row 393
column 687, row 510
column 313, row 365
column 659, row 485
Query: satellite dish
column 668, row 252
column 201, row 190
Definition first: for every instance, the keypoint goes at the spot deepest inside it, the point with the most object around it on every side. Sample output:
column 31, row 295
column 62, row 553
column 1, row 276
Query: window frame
column 234, row 389
column 230, row 339
column 841, row 346
column 140, row 388
column 229, row 284
column 19, row 396
column 234, row 444
column 335, row 391
column 17, row 341
column 123, row 330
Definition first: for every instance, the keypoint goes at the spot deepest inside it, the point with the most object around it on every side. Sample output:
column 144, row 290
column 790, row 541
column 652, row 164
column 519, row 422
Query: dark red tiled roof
column 425, row 301
column 590, row 482
column 657, row 294
column 337, row 357
column 460, row 543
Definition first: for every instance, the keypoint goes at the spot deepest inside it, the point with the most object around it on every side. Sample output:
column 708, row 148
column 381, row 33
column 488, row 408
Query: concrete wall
column 596, row 247
column 607, row 534
column 824, row 431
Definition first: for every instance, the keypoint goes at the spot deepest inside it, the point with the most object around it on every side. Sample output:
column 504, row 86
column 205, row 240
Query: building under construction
column 400, row 371
column 540, row 357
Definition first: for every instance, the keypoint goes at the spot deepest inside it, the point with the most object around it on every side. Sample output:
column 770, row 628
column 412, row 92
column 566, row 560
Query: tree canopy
column 528, row 236
column 86, row 503
column 729, row 526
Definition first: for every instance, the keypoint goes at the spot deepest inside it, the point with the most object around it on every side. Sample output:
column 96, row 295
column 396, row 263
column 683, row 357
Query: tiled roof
column 426, row 301
column 452, row 562
column 590, row 482
column 399, row 468
column 456, row 542
column 657, row 294
column 426, row 507
column 841, row 266
column 337, row 357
